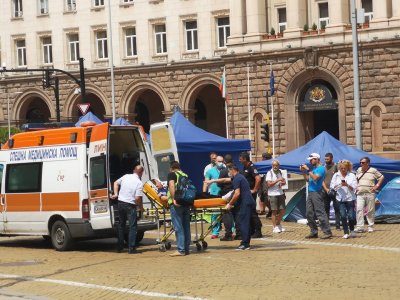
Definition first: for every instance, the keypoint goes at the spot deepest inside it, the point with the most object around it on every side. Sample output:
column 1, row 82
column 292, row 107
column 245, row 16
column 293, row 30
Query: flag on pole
column 222, row 86
column 272, row 83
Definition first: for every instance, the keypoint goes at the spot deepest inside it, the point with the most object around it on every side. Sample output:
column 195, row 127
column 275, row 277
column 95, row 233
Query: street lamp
column 8, row 112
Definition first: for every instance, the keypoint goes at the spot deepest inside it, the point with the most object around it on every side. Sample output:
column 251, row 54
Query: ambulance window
column 98, row 172
column 163, row 162
column 24, row 178
column 1, row 174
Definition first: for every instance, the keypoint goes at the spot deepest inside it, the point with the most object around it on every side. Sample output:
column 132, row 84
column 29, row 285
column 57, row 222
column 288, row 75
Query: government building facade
column 171, row 54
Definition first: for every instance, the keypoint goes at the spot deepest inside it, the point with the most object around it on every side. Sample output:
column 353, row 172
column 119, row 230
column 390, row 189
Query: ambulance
column 57, row 183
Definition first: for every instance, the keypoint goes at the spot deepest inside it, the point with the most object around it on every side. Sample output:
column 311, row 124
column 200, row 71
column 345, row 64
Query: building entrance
column 326, row 120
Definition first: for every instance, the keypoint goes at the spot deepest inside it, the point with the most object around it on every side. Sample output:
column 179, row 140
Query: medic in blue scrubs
column 242, row 196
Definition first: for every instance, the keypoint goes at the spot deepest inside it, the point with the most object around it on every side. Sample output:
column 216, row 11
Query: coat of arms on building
column 317, row 94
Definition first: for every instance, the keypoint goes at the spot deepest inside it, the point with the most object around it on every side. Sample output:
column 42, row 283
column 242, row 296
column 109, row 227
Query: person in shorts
column 276, row 195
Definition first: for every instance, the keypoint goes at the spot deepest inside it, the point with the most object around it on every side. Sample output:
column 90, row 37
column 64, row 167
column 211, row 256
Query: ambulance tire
column 60, row 236
column 139, row 237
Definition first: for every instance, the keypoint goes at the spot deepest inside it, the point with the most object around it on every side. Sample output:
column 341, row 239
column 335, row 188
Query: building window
column 127, row 1
column 17, row 5
column 376, row 129
column 191, row 35
column 101, row 42
column 97, row 3
column 282, row 23
column 130, row 40
column 161, row 38
column 47, row 50
column 368, row 12
column 70, row 5
column 323, row 15
column 43, row 7
column 73, row 43
column 223, row 31
column 21, row 53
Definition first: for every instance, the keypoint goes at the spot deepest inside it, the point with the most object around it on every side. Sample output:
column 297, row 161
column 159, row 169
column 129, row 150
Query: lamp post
column 8, row 113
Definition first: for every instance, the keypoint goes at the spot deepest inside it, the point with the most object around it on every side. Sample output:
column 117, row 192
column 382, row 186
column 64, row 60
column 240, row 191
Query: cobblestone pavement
column 284, row 266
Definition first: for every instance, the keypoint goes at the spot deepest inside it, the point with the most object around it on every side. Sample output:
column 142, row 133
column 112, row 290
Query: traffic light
column 265, row 132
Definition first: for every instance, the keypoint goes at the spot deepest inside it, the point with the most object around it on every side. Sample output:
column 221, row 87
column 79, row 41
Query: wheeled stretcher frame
column 160, row 210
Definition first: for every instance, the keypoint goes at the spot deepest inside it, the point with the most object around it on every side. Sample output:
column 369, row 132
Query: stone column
column 237, row 21
column 256, row 20
column 339, row 15
column 296, row 14
column 395, row 20
column 381, row 10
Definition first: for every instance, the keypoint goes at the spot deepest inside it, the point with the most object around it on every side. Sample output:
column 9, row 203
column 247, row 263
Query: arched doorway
column 96, row 107
column 210, row 110
column 34, row 110
column 148, row 109
column 318, row 109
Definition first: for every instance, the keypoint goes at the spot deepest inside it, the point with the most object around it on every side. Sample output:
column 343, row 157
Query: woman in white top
column 345, row 184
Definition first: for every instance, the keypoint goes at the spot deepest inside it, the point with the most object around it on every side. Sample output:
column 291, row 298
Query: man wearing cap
column 315, row 201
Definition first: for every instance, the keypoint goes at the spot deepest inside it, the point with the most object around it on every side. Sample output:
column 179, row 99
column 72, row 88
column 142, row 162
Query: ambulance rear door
column 2, row 198
column 163, row 148
column 99, row 204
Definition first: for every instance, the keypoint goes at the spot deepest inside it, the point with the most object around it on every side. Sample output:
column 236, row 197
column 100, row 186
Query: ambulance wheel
column 168, row 245
column 139, row 236
column 60, row 236
column 162, row 248
column 198, row 246
column 204, row 244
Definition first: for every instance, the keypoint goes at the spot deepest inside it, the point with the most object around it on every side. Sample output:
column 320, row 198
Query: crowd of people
column 349, row 192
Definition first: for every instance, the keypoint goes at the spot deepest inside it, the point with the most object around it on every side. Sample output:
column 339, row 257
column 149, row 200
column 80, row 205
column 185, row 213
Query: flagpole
column 272, row 121
column 248, row 102
column 226, row 120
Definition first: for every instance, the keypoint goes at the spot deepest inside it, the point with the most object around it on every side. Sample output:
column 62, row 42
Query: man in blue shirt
column 242, row 193
column 315, row 200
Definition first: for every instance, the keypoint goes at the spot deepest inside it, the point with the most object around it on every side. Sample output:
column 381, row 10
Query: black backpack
column 185, row 191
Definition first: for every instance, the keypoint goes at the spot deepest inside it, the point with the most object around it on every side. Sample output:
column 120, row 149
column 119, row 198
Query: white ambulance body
column 57, row 182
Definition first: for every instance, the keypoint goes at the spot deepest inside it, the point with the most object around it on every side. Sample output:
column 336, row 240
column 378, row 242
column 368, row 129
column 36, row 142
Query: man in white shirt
column 129, row 191
column 276, row 196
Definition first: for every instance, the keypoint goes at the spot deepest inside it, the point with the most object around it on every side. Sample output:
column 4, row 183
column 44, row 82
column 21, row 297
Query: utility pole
column 357, row 105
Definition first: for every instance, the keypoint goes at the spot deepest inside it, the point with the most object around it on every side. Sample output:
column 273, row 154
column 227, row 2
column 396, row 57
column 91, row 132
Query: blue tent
column 324, row 143
column 195, row 144
column 388, row 202
column 121, row 121
column 88, row 117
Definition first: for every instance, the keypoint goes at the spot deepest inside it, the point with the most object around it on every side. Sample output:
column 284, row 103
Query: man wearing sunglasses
column 315, row 201
column 369, row 180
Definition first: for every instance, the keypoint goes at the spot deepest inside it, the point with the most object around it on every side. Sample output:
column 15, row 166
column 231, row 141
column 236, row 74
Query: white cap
column 313, row 155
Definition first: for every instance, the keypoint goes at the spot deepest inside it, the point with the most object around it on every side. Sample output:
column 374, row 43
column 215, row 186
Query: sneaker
column 326, row 236
column 226, row 238
column 359, row 230
column 214, row 236
column 282, row 229
column 312, row 236
column 177, row 253
column 370, row 229
column 353, row 234
column 243, row 247
column 346, row 236
column 276, row 230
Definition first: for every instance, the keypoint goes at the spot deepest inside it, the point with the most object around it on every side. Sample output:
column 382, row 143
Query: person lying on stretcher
column 161, row 190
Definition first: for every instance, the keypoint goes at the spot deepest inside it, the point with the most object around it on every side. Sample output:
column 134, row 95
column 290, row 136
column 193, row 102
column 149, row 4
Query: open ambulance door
column 2, row 199
column 163, row 148
column 99, row 204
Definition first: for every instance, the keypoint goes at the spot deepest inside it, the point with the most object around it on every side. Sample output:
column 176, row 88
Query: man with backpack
column 180, row 212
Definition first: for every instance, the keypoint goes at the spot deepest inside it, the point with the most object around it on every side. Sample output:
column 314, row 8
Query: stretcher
column 160, row 210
